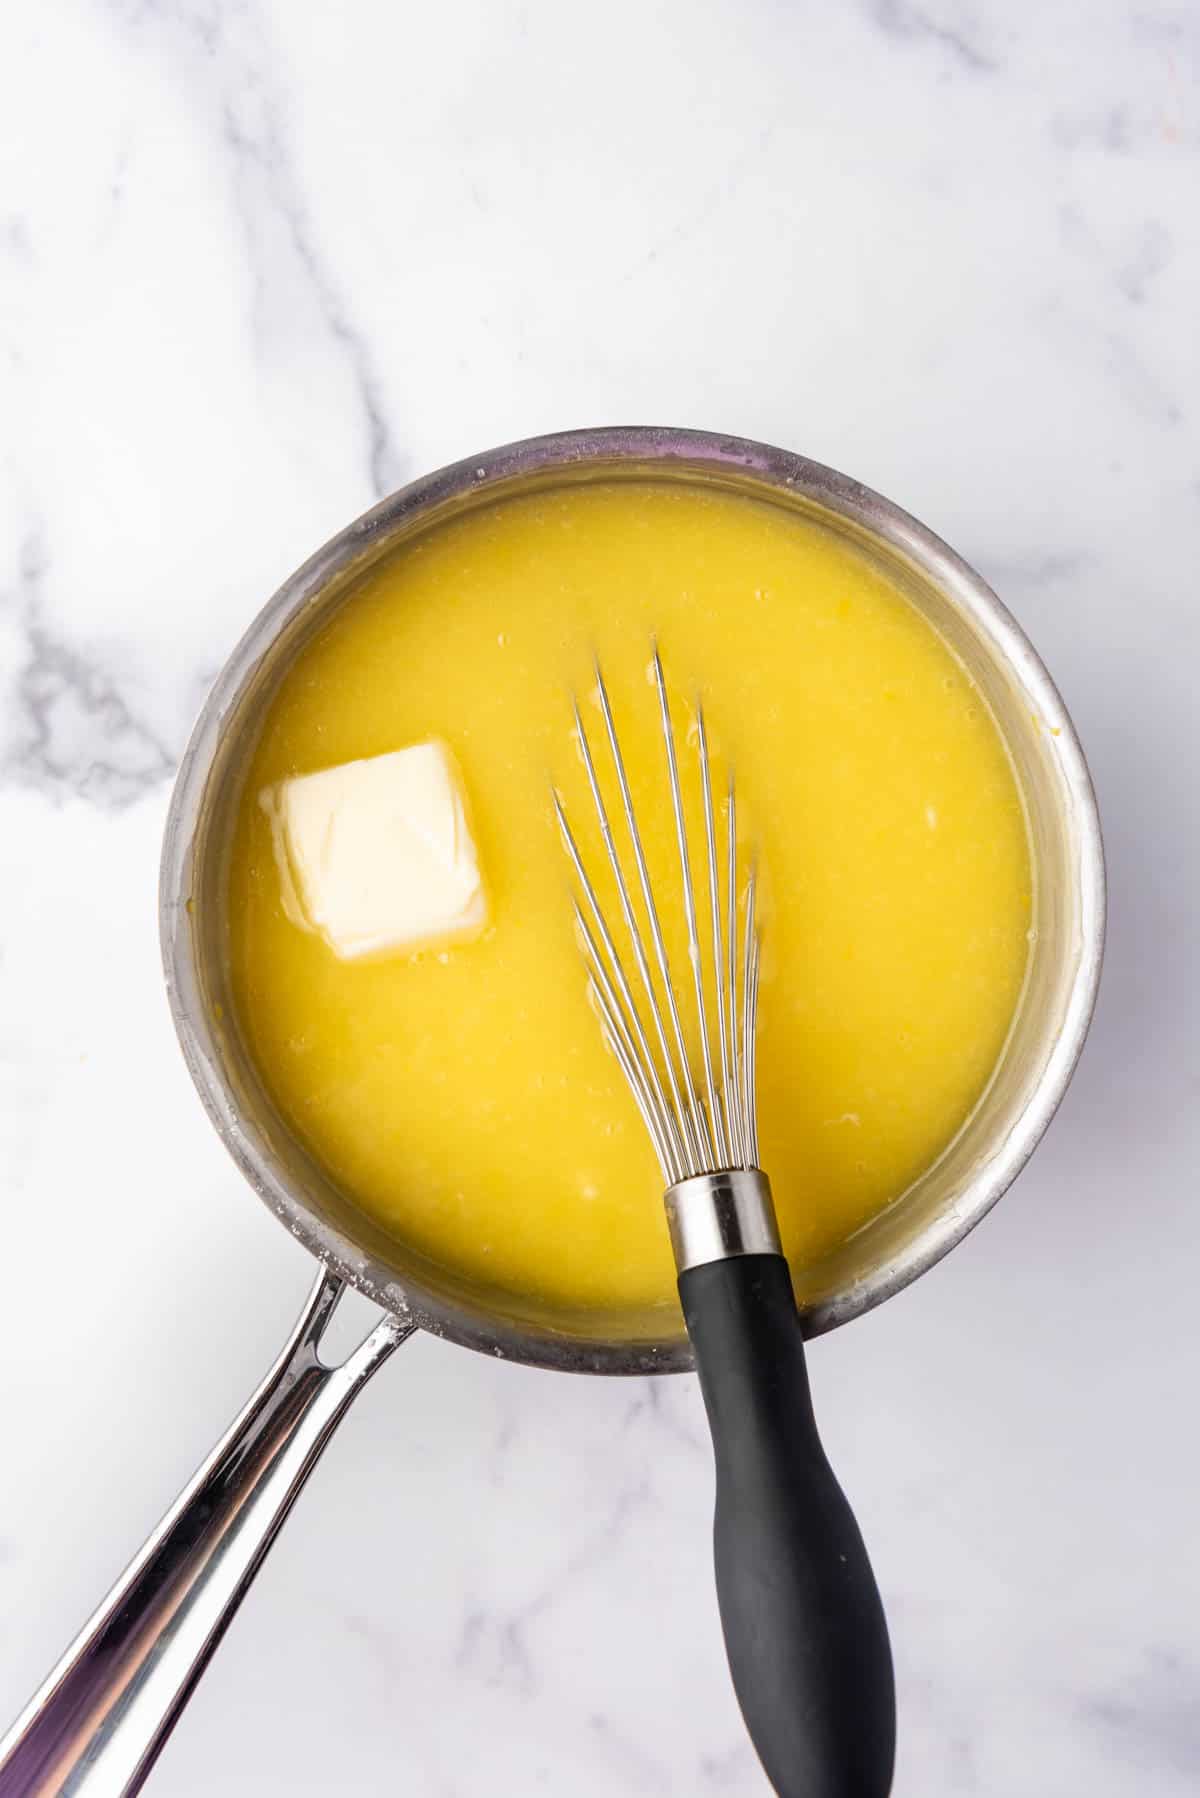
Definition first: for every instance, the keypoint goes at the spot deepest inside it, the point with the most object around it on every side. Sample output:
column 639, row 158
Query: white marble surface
column 258, row 264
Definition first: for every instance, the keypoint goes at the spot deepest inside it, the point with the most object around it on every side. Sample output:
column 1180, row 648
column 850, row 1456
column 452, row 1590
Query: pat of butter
column 377, row 855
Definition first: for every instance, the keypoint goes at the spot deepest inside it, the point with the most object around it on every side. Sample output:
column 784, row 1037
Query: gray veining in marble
column 259, row 263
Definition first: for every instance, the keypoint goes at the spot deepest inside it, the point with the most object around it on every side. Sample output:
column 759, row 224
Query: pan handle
column 99, row 1721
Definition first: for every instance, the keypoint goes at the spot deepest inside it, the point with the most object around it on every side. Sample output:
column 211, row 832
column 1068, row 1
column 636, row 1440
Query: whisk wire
column 689, row 907
column 749, row 1002
column 620, row 1041
column 695, row 1126
column 722, row 1119
column 645, row 1060
column 680, row 1121
column 682, row 1090
column 740, row 1150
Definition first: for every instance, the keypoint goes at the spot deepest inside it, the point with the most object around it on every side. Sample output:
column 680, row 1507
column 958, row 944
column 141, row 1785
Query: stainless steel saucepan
column 103, row 1714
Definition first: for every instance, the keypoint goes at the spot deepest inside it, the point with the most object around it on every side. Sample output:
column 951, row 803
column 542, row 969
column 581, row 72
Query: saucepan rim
column 678, row 453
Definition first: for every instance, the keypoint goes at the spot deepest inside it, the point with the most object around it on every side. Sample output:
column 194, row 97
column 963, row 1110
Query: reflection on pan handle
column 98, row 1722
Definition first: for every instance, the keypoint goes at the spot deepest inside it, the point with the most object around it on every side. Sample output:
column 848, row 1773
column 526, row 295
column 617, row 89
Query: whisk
column 804, row 1627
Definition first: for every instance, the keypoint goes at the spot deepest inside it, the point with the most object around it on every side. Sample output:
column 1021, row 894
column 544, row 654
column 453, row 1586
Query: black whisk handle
column 804, row 1625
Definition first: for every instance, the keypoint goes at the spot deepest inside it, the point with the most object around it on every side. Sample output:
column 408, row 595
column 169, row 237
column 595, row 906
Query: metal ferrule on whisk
column 701, row 1119
column 713, row 1216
